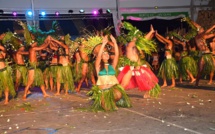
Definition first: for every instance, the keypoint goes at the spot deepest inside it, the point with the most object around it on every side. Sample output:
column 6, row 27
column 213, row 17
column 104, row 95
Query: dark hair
column 102, row 64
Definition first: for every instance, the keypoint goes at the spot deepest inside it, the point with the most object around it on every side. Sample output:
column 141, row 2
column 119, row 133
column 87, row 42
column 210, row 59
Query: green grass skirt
column 66, row 77
column 169, row 69
column 187, row 63
column 96, row 94
column 6, row 81
column 24, row 73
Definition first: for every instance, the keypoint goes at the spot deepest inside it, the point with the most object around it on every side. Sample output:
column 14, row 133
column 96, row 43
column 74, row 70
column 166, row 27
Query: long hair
column 102, row 64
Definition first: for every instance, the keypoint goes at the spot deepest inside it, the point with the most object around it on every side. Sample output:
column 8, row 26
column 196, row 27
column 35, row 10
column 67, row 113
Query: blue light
column 81, row 11
column 30, row 13
column 43, row 13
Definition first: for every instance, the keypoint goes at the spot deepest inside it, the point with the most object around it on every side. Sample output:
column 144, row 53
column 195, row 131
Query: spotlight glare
column 57, row 13
column 81, row 11
column 95, row 12
column 43, row 13
column 30, row 13
column 14, row 13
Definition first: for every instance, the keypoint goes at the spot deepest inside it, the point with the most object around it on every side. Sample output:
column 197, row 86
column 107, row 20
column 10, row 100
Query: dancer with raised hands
column 107, row 93
column 134, row 72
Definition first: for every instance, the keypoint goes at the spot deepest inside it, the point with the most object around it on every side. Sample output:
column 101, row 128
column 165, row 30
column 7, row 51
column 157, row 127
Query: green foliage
column 72, row 44
column 142, row 43
column 192, row 31
column 27, row 33
column 10, row 41
column 91, row 42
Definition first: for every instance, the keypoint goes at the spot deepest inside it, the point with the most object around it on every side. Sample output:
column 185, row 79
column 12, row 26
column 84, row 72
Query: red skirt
column 143, row 78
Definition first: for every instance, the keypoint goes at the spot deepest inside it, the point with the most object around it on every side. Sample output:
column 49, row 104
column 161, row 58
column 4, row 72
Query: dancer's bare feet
column 24, row 97
column 164, row 85
column 171, row 86
column 46, row 95
column 146, row 95
column 77, row 90
column 6, row 102
column 210, row 82
column 57, row 94
column 29, row 92
column 193, row 80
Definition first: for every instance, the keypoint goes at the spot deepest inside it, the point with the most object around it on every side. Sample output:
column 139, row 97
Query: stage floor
column 184, row 109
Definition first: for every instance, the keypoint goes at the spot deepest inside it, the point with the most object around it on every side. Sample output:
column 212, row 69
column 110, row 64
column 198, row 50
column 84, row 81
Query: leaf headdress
column 193, row 29
column 142, row 43
column 11, row 42
column 72, row 44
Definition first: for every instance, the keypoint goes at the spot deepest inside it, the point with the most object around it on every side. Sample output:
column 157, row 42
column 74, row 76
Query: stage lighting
column 14, row 13
column 81, row 11
column 1, row 11
column 95, row 12
column 100, row 11
column 30, row 13
column 108, row 11
column 70, row 11
column 43, row 13
column 57, row 13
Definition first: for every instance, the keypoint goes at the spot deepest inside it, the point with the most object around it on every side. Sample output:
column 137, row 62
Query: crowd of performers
column 112, row 64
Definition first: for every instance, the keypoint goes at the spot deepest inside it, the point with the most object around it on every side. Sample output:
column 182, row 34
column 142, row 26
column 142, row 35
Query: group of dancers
column 57, row 63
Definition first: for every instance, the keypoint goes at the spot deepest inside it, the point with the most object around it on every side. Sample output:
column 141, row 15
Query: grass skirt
column 187, row 63
column 24, row 73
column 168, row 69
column 65, row 75
column 209, row 65
column 6, row 81
column 195, row 55
column 51, row 72
column 108, row 94
column 38, row 75
column 78, row 73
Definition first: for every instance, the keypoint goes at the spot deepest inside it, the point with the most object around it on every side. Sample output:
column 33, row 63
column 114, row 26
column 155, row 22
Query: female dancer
column 134, row 71
column 107, row 93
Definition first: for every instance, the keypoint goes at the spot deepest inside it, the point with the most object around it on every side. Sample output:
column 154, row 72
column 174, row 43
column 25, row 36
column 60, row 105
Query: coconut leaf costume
column 65, row 76
column 38, row 74
column 168, row 68
column 6, row 80
column 22, row 69
column 209, row 66
column 192, row 32
column 187, row 62
column 142, row 77
column 108, row 77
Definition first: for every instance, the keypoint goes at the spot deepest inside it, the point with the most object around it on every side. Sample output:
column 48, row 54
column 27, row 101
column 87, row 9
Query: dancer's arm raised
column 116, row 49
column 99, row 56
